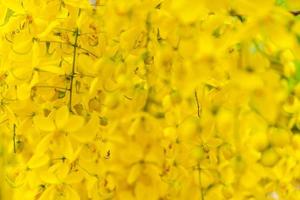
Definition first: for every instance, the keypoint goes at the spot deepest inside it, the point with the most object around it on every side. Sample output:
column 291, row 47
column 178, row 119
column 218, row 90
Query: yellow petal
column 23, row 91
column 78, row 3
column 68, row 148
column 88, row 132
column 93, row 85
column 52, row 69
column 15, row 5
column 72, row 194
column 48, row 194
column 74, row 123
column 134, row 173
column 38, row 160
column 49, row 28
column 55, row 174
column 42, row 146
column 35, row 79
column 61, row 116
column 44, row 123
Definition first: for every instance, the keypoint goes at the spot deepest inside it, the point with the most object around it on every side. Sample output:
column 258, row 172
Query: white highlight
column 274, row 195
column 93, row 2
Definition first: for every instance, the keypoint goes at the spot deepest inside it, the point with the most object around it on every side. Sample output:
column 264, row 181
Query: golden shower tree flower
column 149, row 99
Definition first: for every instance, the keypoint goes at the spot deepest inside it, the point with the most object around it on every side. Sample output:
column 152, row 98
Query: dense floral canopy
column 149, row 99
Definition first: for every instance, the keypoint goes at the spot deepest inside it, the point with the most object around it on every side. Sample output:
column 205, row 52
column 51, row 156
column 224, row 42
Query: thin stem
column 14, row 138
column 198, row 105
column 73, row 68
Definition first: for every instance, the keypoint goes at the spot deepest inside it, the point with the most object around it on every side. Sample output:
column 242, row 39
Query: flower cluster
column 149, row 99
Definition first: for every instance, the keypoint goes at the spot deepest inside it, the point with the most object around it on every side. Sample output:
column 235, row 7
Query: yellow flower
column 149, row 99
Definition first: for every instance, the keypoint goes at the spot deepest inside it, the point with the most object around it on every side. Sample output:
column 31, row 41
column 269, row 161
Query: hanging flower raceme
column 149, row 99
